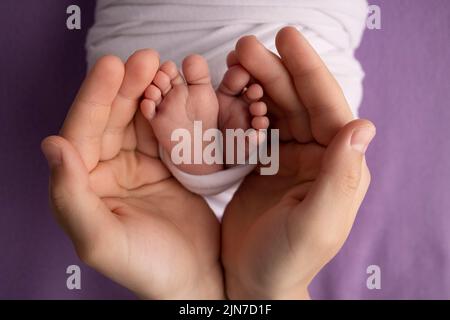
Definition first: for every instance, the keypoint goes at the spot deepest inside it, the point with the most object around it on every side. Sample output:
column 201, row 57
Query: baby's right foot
column 172, row 103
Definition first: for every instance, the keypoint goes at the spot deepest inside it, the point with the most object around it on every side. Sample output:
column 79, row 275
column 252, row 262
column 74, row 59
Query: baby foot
column 172, row 103
column 239, row 107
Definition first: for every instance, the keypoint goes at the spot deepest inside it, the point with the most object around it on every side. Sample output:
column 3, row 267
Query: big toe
column 195, row 70
column 234, row 81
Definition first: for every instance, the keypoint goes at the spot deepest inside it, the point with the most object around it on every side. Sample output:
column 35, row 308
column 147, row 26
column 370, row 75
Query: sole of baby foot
column 172, row 102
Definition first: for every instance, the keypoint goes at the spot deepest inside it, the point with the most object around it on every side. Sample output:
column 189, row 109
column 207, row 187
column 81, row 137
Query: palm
column 256, row 232
column 279, row 231
column 155, row 241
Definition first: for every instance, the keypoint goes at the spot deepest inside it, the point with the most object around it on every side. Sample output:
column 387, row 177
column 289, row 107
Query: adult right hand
column 279, row 231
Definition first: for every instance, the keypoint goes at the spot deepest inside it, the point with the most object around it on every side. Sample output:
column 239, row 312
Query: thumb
column 80, row 212
column 66, row 168
column 340, row 174
column 335, row 196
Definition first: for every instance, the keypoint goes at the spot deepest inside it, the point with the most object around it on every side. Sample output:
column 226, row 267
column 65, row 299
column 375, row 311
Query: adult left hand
column 127, row 216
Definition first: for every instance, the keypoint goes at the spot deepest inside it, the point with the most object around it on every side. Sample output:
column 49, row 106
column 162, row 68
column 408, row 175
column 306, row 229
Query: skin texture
column 274, row 245
column 130, row 220
column 124, row 212
column 173, row 102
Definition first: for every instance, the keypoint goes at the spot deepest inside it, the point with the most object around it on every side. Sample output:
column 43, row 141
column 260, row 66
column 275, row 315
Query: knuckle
column 58, row 198
column 349, row 181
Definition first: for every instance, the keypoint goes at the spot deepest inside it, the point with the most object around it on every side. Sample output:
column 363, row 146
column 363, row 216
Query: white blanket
column 177, row 28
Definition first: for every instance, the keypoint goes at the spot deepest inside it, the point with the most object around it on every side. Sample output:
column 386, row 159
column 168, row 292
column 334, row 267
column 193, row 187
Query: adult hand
column 279, row 231
column 126, row 215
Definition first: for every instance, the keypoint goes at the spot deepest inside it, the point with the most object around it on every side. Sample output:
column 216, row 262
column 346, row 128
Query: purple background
column 403, row 225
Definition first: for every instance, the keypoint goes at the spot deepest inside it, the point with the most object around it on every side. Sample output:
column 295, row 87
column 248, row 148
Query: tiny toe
column 153, row 93
column 254, row 92
column 170, row 68
column 234, row 81
column 260, row 123
column 148, row 109
column 258, row 109
column 162, row 81
column 195, row 70
column 232, row 59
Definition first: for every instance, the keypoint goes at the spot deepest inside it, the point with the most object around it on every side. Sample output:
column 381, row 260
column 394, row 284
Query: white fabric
column 176, row 28
column 211, row 184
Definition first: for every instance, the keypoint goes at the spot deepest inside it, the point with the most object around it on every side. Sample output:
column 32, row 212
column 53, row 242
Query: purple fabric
column 402, row 226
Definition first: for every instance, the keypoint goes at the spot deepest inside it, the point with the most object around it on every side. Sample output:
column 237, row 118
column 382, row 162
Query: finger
column 268, row 70
column 146, row 139
column 360, row 194
column 80, row 212
column 317, row 88
column 140, row 69
column 337, row 192
column 88, row 116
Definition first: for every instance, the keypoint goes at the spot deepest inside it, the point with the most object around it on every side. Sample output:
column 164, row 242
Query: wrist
column 207, row 286
column 210, row 287
column 237, row 290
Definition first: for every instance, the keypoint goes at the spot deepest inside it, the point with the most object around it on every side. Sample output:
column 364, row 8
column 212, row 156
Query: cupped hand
column 279, row 231
column 126, row 215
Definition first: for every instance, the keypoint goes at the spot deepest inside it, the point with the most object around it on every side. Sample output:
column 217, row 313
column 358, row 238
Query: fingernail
column 52, row 153
column 361, row 138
